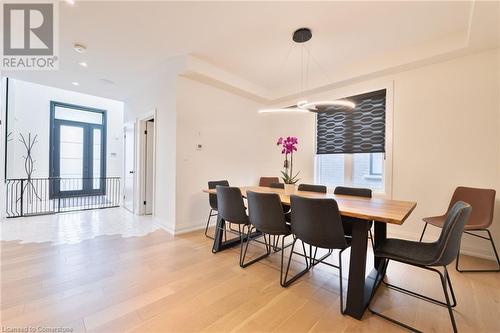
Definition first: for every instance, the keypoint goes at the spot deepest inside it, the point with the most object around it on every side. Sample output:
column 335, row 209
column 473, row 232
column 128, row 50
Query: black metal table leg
column 357, row 265
column 219, row 232
column 360, row 287
column 220, row 245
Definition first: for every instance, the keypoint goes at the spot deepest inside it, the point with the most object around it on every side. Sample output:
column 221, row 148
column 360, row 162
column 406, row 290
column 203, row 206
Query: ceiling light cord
column 283, row 65
column 301, row 36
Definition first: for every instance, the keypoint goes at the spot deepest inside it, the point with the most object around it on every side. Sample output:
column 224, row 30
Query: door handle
column 131, row 171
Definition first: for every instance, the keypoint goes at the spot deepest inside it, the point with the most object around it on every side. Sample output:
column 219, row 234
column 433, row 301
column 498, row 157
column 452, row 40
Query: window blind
column 347, row 131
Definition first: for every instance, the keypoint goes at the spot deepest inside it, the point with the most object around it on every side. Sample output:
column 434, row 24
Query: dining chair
column 267, row 181
column 346, row 220
column 232, row 209
column 427, row 256
column 267, row 216
column 483, row 205
column 317, row 223
column 212, row 200
column 312, row 188
column 286, row 208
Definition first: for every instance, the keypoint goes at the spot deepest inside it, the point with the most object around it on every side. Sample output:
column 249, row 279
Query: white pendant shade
column 313, row 106
column 305, row 106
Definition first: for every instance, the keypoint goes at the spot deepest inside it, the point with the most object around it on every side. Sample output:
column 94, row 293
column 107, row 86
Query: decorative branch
column 29, row 167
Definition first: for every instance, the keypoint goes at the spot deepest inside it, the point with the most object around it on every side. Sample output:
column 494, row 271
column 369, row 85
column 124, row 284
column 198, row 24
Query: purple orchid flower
column 288, row 146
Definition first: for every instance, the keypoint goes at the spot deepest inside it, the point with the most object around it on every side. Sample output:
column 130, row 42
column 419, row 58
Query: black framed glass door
column 77, row 155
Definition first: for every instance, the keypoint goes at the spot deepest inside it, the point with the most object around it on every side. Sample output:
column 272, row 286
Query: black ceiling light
column 302, row 35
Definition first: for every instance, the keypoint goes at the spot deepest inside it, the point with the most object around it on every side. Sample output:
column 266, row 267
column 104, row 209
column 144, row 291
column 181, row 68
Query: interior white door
column 129, row 166
column 149, row 167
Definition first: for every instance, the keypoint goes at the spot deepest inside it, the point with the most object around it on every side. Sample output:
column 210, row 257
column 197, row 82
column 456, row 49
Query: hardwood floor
column 159, row 283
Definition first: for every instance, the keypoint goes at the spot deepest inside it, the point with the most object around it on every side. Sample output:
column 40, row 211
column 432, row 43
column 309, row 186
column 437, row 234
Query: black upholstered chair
column 212, row 200
column 427, row 256
column 232, row 209
column 286, row 208
column 312, row 188
column 348, row 221
column 317, row 222
column 267, row 216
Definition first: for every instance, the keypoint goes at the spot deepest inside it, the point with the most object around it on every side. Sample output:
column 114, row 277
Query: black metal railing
column 40, row 196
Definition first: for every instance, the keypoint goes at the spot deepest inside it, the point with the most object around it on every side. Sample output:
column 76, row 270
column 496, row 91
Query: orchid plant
column 288, row 146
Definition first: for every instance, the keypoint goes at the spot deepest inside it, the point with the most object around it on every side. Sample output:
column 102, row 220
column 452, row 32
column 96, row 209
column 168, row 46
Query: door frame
column 134, row 162
column 54, row 191
column 141, row 160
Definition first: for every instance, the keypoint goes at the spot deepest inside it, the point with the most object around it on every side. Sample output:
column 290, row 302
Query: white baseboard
column 473, row 252
column 184, row 229
column 163, row 226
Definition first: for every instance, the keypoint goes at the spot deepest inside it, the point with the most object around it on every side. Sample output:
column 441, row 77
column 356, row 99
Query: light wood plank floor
column 160, row 283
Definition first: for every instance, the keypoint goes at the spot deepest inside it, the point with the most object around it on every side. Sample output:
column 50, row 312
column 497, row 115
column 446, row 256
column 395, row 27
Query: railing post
column 22, row 196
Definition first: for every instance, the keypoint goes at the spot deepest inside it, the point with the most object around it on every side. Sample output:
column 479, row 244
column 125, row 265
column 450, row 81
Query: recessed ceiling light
column 80, row 48
column 83, row 64
column 70, row 2
column 75, row 83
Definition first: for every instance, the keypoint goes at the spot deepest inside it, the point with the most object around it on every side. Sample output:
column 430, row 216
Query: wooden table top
column 381, row 210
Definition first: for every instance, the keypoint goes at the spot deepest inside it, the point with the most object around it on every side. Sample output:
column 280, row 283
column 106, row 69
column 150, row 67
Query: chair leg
column 315, row 261
column 243, row 253
column 424, row 297
column 382, row 268
column 208, row 223
column 445, row 281
column 423, row 232
column 234, row 230
column 380, row 272
column 370, row 235
column 285, row 282
column 342, row 310
column 480, row 270
column 276, row 241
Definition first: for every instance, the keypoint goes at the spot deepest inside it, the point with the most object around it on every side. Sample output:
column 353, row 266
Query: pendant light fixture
column 301, row 36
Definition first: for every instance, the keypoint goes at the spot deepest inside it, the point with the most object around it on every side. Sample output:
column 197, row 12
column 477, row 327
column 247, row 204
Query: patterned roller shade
column 347, row 131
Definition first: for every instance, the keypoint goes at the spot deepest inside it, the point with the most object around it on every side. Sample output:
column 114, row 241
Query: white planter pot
column 289, row 188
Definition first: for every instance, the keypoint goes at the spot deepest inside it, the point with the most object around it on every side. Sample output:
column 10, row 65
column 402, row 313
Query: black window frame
column 54, row 153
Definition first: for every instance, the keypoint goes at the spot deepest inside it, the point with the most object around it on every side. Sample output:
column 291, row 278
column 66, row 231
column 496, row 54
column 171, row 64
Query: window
column 350, row 144
column 78, row 150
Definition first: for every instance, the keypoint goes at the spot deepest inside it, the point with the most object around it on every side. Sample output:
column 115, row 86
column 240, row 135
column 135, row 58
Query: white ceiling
column 127, row 41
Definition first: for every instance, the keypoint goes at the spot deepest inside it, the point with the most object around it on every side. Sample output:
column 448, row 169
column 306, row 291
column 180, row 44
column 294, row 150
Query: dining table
column 379, row 210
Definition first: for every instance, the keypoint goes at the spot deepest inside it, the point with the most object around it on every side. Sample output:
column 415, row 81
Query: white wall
column 446, row 134
column 239, row 145
column 160, row 94
column 236, row 146
column 29, row 111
